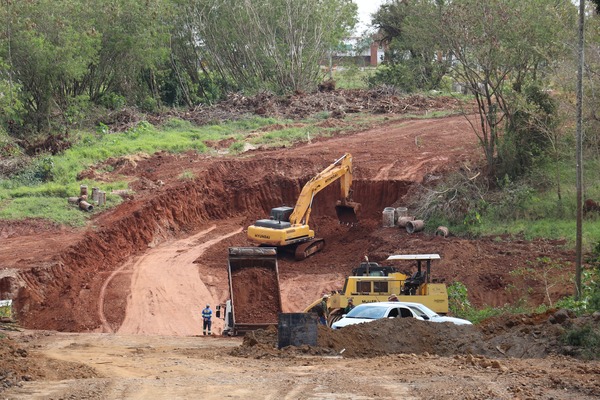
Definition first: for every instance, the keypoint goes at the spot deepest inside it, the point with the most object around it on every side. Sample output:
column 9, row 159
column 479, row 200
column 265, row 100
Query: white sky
column 365, row 9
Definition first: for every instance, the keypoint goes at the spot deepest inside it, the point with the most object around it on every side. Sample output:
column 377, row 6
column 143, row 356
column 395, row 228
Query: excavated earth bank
column 106, row 277
column 56, row 276
column 515, row 336
column 58, row 291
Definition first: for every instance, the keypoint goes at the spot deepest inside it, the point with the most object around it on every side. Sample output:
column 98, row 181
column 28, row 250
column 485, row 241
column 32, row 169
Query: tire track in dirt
column 167, row 292
column 128, row 265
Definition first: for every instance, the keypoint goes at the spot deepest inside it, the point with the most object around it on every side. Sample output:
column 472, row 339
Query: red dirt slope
column 77, row 280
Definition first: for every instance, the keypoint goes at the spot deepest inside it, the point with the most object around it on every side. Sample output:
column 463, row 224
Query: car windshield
column 422, row 311
column 367, row 312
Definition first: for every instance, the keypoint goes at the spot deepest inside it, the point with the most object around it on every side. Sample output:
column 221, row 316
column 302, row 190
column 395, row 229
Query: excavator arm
column 345, row 208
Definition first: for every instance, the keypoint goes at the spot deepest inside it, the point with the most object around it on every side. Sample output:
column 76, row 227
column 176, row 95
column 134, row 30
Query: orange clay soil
column 149, row 266
column 165, row 250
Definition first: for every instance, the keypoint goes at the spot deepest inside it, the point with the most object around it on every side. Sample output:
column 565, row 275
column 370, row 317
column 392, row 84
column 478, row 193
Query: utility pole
column 10, row 67
column 579, row 156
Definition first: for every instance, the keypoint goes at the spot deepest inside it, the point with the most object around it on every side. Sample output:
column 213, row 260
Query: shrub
column 177, row 124
column 460, row 306
column 527, row 136
column 113, row 101
column 149, row 104
column 236, row 147
column 397, row 75
column 458, row 301
column 77, row 110
column 39, row 171
column 587, row 338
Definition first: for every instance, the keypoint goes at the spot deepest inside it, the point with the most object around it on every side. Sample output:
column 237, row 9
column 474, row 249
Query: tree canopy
column 414, row 51
column 495, row 49
column 277, row 43
column 59, row 58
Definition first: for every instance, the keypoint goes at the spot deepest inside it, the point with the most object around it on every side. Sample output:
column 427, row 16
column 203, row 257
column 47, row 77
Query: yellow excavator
column 287, row 228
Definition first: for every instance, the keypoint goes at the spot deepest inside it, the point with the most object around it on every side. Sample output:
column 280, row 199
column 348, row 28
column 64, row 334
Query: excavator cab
column 279, row 218
column 281, row 213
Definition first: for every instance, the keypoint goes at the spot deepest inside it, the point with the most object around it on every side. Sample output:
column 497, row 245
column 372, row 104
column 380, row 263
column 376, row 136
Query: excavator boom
column 346, row 209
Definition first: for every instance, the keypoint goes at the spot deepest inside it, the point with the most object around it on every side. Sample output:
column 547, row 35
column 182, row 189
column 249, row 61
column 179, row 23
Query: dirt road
column 166, row 289
column 175, row 367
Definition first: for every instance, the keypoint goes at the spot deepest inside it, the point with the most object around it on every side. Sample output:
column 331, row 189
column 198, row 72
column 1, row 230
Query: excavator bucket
column 347, row 212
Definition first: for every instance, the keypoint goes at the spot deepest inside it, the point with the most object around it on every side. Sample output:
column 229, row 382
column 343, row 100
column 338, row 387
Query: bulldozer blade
column 347, row 212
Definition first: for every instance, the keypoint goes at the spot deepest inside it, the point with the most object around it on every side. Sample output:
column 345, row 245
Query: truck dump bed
column 253, row 288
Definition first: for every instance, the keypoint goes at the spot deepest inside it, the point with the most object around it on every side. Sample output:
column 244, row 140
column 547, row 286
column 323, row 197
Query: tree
column 190, row 81
column 591, row 97
column 497, row 46
column 414, row 52
column 64, row 53
column 51, row 45
column 133, row 39
column 275, row 45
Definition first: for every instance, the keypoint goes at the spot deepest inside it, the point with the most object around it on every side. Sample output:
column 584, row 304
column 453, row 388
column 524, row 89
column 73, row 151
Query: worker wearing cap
column 350, row 306
column 206, row 320
column 323, row 316
column 393, row 297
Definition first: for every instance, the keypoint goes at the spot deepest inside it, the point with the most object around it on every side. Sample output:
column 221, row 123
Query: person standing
column 206, row 320
column 321, row 310
column 325, row 311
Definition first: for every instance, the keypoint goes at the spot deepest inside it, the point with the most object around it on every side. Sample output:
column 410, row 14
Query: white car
column 393, row 309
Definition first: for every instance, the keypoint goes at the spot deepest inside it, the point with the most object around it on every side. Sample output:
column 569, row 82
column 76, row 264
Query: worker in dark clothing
column 207, row 320
column 325, row 314
column 318, row 309
column 349, row 307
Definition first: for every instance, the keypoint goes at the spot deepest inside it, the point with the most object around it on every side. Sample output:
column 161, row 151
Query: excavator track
column 307, row 249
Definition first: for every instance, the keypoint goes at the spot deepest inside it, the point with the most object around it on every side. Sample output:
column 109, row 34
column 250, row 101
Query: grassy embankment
column 41, row 189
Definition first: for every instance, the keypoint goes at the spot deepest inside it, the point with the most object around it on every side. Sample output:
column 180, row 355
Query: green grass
column 50, row 208
column 352, row 77
column 548, row 228
column 531, row 208
column 41, row 190
column 285, row 136
column 54, row 209
column 187, row 175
